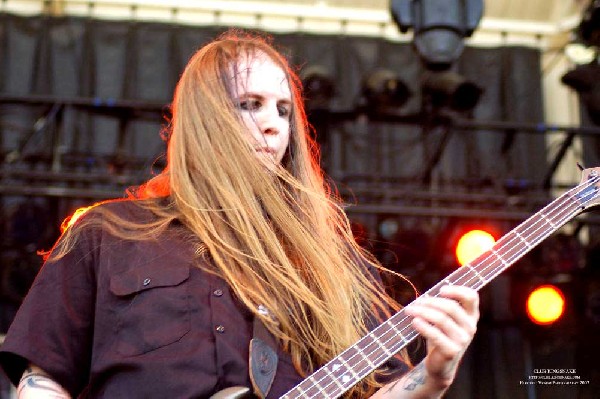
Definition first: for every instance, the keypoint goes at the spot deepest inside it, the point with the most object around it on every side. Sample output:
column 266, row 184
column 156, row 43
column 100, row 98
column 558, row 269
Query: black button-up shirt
column 135, row 319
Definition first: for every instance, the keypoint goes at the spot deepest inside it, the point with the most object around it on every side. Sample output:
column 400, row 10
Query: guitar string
column 528, row 226
column 520, row 240
column 550, row 210
column 489, row 265
column 564, row 198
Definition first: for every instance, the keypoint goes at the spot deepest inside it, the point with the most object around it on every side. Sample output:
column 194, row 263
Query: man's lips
column 267, row 150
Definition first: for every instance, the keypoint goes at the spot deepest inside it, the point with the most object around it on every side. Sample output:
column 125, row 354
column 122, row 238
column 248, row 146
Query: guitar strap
column 263, row 359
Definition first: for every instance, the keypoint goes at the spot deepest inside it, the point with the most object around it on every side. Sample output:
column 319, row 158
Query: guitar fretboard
column 374, row 349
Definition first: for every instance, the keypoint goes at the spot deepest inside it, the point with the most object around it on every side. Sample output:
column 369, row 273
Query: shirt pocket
column 153, row 307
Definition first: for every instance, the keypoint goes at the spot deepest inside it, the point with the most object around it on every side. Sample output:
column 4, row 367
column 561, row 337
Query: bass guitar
column 345, row 370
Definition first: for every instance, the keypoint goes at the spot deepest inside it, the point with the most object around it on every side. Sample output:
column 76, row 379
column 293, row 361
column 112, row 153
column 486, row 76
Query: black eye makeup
column 284, row 110
column 255, row 103
column 249, row 104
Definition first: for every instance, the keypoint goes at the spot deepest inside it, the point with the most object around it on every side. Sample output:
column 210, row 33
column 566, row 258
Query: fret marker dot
column 345, row 378
column 335, row 367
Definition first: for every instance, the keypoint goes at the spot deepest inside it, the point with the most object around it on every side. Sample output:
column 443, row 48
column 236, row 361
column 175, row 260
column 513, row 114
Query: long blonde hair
column 278, row 237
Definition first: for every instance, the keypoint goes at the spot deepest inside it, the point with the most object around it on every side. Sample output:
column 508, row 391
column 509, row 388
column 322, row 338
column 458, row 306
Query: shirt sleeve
column 54, row 325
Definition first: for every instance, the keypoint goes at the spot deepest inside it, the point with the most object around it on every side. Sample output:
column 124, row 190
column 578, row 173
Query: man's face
column 265, row 102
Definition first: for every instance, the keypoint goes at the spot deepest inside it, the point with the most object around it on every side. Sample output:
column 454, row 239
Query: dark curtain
column 75, row 57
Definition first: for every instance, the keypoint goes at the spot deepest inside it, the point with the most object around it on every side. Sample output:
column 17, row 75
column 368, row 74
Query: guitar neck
column 374, row 349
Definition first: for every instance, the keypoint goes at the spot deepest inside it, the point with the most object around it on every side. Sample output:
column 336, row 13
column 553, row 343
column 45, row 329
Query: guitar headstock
column 590, row 180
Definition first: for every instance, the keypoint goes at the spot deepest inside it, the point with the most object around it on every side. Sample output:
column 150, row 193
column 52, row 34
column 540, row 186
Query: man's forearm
column 36, row 384
column 414, row 384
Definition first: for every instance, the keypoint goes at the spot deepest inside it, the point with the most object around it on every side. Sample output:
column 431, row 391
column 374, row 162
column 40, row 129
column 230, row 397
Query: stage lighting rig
column 589, row 28
column 319, row 87
column 384, row 90
column 450, row 89
column 439, row 27
column 585, row 80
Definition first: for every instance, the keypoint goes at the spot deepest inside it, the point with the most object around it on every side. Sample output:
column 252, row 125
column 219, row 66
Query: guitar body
column 233, row 393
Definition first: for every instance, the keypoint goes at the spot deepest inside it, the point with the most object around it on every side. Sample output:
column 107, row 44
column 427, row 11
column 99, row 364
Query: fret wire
column 367, row 359
column 386, row 357
column 316, row 383
column 394, row 328
column 356, row 376
column 523, row 239
column 399, row 336
column 303, row 393
column 383, row 346
column 524, row 224
column 347, row 366
column 412, row 334
column 323, row 388
column 332, row 363
column 565, row 213
column 395, row 336
column 471, row 269
column 332, row 377
column 527, row 225
column 296, row 388
column 382, row 359
column 555, row 206
column 499, row 257
column 516, row 254
column 548, row 220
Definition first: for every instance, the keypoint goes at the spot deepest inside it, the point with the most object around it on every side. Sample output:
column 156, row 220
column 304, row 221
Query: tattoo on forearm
column 415, row 378
column 33, row 381
column 453, row 364
column 392, row 386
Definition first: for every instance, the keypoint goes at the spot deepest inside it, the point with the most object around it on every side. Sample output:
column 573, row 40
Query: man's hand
column 448, row 323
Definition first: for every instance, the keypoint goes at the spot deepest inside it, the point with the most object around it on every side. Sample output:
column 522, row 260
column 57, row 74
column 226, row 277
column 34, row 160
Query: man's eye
column 283, row 110
column 250, row 105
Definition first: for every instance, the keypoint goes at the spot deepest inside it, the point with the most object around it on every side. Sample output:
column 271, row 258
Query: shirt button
column 146, row 281
column 218, row 292
column 220, row 328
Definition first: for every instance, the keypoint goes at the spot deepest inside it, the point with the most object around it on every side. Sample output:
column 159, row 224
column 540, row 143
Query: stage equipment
column 318, row 86
column 472, row 244
column 439, row 27
column 450, row 89
column 384, row 90
column 585, row 80
column 589, row 28
column 545, row 304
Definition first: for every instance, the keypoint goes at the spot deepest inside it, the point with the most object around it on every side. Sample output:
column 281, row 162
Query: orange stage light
column 545, row 304
column 472, row 244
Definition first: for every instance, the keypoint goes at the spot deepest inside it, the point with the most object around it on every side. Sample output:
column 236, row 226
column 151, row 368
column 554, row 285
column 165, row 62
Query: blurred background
column 435, row 118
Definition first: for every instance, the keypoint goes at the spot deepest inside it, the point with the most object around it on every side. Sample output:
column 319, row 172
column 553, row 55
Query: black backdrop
column 78, row 58
column 74, row 57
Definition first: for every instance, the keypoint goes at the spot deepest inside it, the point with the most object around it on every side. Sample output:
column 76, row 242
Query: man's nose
column 269, row 121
